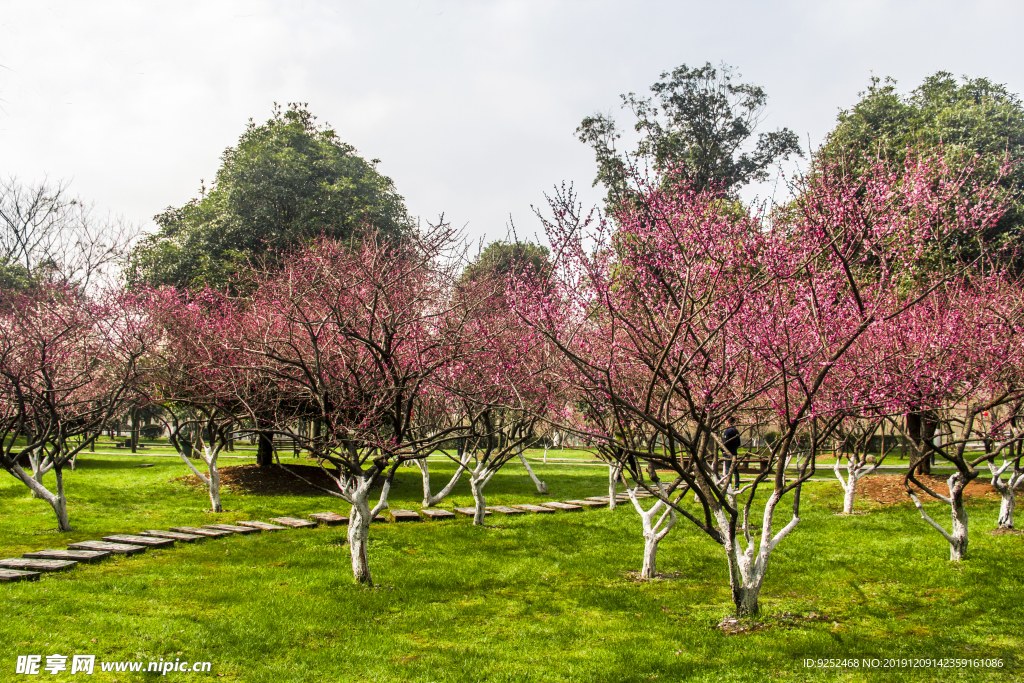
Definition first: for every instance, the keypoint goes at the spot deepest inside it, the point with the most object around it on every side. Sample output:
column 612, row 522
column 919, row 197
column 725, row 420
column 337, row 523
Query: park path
column 31, row 566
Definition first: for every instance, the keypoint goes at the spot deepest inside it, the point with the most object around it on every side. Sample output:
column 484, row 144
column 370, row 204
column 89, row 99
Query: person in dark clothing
column 731, row 439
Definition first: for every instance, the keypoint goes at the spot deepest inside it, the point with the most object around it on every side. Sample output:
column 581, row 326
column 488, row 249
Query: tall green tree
column 700, row 127
column 287, row 181
column 501, row 258
column 965, row 119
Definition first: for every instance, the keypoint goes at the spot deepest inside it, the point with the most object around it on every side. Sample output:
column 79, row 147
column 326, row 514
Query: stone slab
column 505, row 510
column 148, row 541
column 88, row 556
column 233, row 528
column 209, row 533
column 174, row 535
column 18, row 575
column 293, row 522
column 262, row 526
column 33, row 565
column 536, row 509
column 434, row 513
column 587, row 503
column 405, row 516
column 328, row 518
column 116, row 548
column 471, row 512
column 599, row 499
column 567, row 507
column 379, row 518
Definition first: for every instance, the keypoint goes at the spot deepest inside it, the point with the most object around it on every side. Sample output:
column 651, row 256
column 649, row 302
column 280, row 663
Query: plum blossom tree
column 67, row 364
column 353, row 338
column 691, row 313
column 199, row 386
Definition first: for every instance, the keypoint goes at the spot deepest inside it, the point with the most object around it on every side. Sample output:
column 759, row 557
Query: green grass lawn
column 532, row 598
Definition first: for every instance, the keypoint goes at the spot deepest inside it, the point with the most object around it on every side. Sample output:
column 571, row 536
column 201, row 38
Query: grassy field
column 532, row 598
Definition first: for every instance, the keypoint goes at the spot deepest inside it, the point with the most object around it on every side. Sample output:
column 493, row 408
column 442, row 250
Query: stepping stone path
column 209, row 533
column 30, row 566
column 536, row 509
column 148, row 541
column 27, row 564
column 565, row 507
column 242, row 530
column 505, row 510
column 433, row 513
column 262, row 526
column 116, row 548
column 328, row 518
column 174, row 535
column 587, row 503
column 470, row 512
column 87, row 556
column 293, row 522
column 7, row 575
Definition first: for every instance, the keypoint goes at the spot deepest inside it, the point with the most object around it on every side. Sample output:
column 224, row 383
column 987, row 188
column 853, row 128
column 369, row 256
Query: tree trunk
column 849, row 494
column 57, row 502
column 649, row 569
column 745, row 600
column 135, row 430
column 1006, row 506
column 214, row 488
column 37, row 475
column 358, row 536
column 265, row 449
column 613, row 479
column 476, row 485
column 430, row 499
column 541, row 486
column 958, row 544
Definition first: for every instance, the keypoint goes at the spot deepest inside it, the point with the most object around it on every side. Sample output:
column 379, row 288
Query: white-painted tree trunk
column 57, row 501
column 430, row 499
column 653, row 531
column 854, row 473
column 212, row 478
column 541, row 486
column 1007, row 491
column 1006, row 506
column 358, row 537
column 748, row 566
column 40, row 466
column 614, row 472
column 357, row 492
column 958, row 537
column 213, row 487
column 478, row 479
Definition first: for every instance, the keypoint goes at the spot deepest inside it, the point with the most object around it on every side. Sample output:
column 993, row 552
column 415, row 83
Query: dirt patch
column 734, row 626
column 888, row 489
column 658, row 576
column 274, row 480
column 1005, row 532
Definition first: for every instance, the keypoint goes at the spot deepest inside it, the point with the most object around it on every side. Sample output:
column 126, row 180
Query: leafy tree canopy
column 699, row 128
column 966, row 118
column 501, row 258
column 285, row 182
column 14, row 276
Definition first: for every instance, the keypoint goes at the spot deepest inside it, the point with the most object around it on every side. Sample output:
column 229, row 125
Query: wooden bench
column 753, row 466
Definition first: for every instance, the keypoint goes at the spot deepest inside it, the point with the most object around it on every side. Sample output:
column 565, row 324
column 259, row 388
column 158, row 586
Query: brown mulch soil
column 887, row 489
column 251, row 479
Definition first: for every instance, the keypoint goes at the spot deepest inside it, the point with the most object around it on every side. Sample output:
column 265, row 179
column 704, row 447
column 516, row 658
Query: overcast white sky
column 471, row 106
